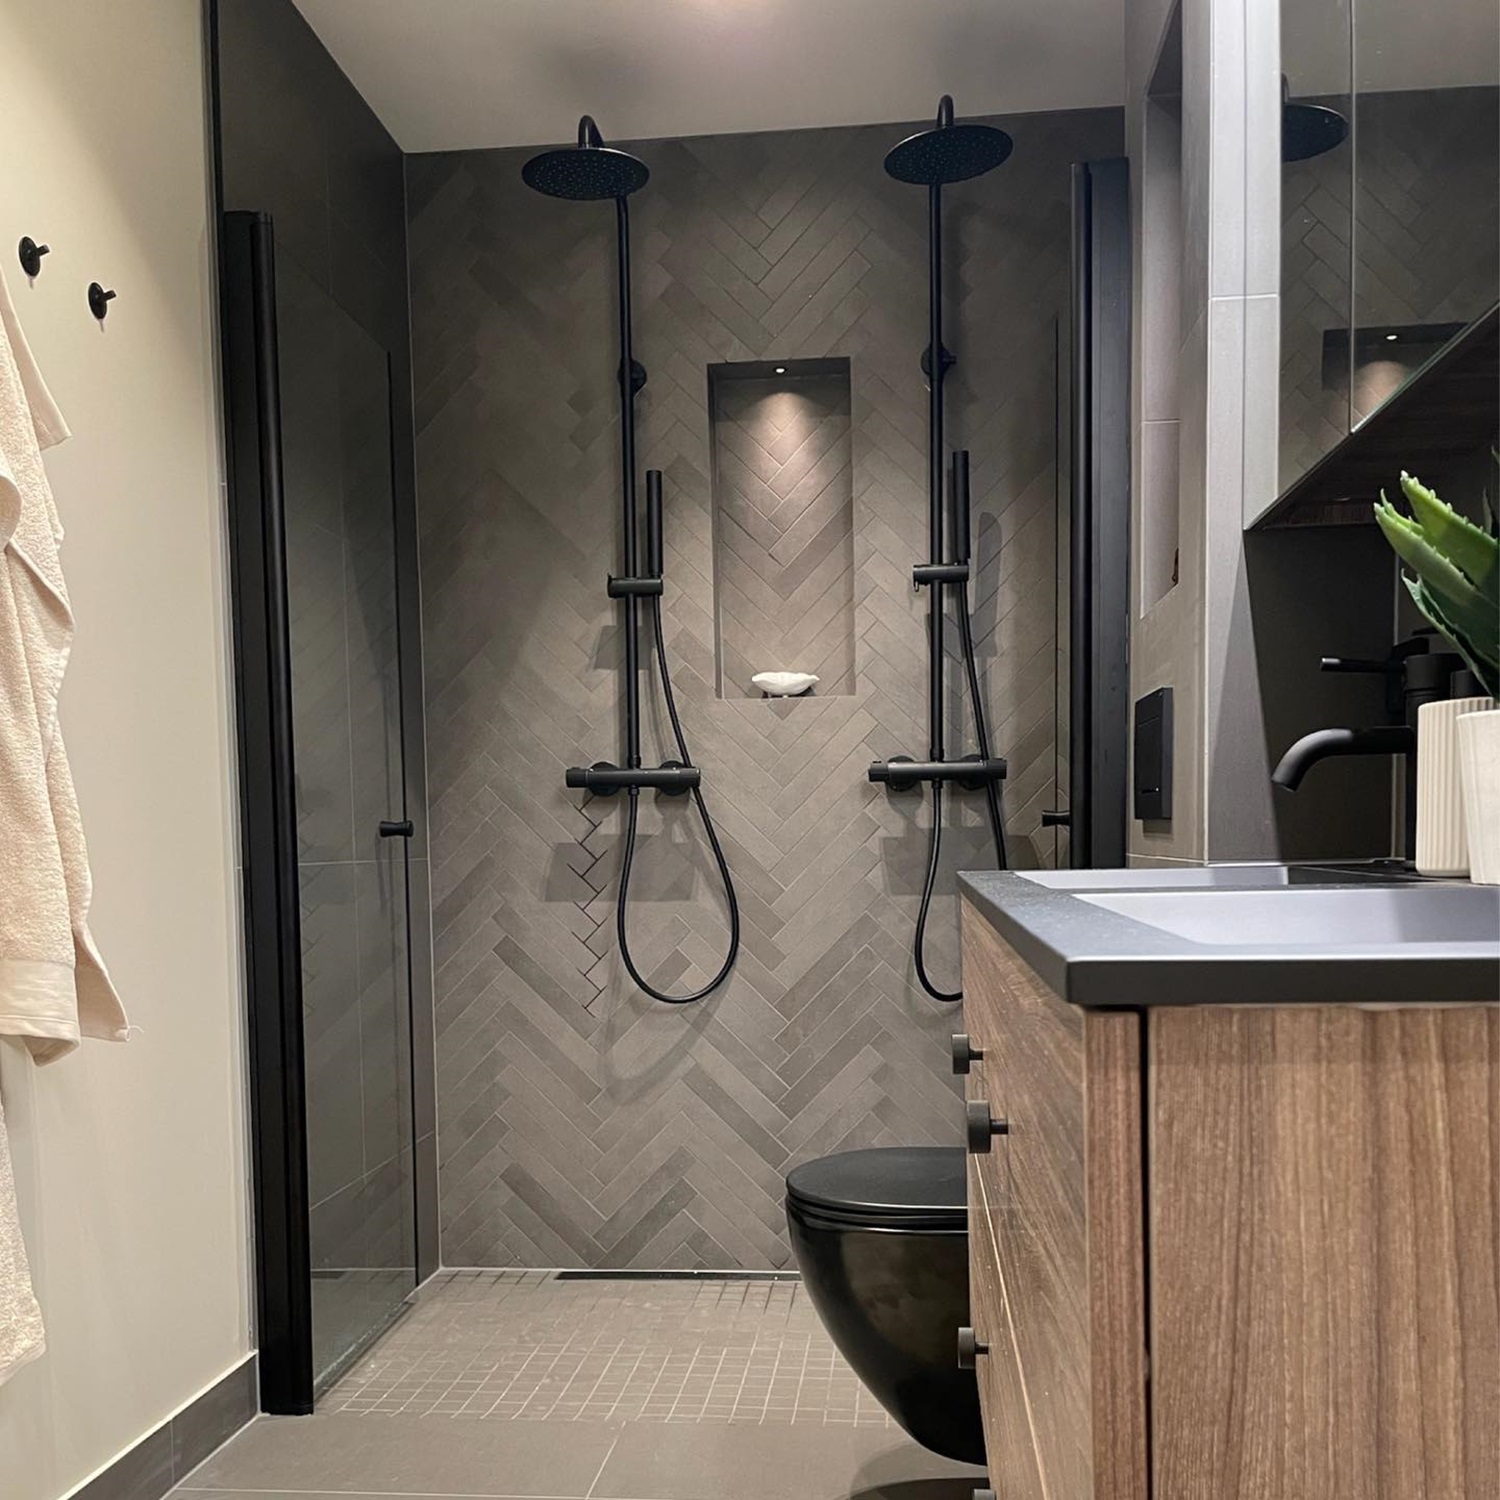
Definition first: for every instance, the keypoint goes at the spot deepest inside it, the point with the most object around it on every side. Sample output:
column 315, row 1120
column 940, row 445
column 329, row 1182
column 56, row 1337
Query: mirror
column 1317, row 209
column 1389, row 237
column 1426, row 184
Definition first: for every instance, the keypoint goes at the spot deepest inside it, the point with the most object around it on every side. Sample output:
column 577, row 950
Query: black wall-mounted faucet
column 1321, row 744
column 1415, row 674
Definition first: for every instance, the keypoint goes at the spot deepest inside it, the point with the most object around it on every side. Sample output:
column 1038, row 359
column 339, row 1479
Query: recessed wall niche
column 783, row 522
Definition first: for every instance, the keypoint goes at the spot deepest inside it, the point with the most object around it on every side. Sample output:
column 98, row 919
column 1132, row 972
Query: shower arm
column 976, row 772
column 604, row 778
column 628, row 389
column 902, row 772
column 938, row 362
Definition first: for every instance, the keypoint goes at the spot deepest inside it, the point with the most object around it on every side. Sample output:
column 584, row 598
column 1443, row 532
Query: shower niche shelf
column 783, row 523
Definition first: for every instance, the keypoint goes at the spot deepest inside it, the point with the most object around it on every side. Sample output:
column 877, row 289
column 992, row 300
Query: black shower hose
column 992, row 798
column 713, row 843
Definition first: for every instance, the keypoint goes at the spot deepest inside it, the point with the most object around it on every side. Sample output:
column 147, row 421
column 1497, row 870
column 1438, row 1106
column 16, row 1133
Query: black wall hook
column 31, row 254
column 99, row 300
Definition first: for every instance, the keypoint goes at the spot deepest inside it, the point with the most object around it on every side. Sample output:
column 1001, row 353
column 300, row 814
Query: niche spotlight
column 781, row 369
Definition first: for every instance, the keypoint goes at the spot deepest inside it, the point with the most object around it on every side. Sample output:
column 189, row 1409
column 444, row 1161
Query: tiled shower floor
column 529, row 1345
column 508, row 1384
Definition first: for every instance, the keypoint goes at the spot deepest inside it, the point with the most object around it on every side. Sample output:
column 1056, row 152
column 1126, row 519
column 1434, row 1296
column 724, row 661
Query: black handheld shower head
column 588, row 171
column 948, row 152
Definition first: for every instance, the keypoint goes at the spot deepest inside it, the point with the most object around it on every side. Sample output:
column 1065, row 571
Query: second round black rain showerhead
column 948, row 152
column 586, row 172
column 1308, row 130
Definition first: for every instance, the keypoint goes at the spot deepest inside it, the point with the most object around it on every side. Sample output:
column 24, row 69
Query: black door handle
column 1056, row 818
column 396, row 830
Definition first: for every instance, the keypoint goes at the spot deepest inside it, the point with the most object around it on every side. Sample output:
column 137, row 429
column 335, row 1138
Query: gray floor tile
column 523, row 1345
column 700, row 1462
column 352, row 1454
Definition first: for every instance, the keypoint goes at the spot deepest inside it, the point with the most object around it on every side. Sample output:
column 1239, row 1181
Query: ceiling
column 458, row 74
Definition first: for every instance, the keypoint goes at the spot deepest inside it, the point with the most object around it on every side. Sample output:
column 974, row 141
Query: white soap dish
column 784, row 684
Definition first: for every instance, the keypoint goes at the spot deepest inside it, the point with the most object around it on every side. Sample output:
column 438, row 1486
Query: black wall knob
column 982, row 1126
column 30, row 254
column 99, row 300
column 970, row 1347
column 964, row 1052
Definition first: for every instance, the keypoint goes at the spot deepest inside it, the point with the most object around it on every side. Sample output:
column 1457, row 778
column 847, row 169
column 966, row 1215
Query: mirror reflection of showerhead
column 948, row 152
column 1308, row 130
column 586, row 172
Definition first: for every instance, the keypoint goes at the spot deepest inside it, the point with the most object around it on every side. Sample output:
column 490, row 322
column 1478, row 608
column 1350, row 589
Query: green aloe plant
column 1457, row 582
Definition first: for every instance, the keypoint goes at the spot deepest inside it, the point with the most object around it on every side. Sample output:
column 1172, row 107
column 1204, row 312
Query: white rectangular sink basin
column 1222, row 877
column 1336, row 919
column 1184, row 878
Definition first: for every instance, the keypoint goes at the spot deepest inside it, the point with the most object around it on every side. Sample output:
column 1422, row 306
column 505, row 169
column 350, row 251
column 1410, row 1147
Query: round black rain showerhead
column 1308, row 130
column 586, row 172
column 948, row 152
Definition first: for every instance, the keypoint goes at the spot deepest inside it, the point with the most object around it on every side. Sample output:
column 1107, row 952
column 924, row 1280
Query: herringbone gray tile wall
column 580, row 1123
column 783, row 529
column 1423, row 202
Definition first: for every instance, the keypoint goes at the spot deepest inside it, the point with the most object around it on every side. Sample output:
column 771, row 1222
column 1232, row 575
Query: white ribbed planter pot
column 1479, row 759
column 1442, row 831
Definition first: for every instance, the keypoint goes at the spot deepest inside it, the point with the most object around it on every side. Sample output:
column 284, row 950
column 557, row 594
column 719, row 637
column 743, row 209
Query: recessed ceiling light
column 1390, row 338
column 781, row 369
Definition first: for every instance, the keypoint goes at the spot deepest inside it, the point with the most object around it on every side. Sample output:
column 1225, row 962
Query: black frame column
column 268, row 821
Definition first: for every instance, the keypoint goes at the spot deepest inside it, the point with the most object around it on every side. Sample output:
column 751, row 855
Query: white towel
column 21, row 1337
column 53, row 985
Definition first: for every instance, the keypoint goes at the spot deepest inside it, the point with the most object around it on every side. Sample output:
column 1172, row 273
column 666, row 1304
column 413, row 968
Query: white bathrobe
column 53, row 985
column 21, row 1336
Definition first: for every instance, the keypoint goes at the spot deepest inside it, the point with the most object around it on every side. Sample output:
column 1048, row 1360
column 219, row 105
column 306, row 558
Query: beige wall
column 130, row 1160
column 1204, row 396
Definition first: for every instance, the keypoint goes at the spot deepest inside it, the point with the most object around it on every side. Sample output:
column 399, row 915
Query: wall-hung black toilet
column 882, row 1240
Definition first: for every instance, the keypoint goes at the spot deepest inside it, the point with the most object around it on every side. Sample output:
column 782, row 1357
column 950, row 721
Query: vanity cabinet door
column 1013, row 1462
column 1058, row 1199
column 1324, row 1282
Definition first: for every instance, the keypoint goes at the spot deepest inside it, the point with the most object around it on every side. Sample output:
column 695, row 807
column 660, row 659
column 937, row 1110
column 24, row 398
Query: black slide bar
column 900, row 773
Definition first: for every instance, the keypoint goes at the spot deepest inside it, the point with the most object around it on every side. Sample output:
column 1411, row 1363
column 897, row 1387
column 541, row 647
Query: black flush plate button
column 1153, row 756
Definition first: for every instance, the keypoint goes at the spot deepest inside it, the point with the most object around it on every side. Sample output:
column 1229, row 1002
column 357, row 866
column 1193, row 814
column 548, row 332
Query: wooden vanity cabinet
column 1232, row 1254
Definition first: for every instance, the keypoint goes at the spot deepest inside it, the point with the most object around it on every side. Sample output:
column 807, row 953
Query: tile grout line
column 609, row 1453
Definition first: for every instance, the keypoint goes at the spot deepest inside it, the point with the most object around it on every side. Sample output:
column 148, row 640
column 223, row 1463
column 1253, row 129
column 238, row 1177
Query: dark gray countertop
column 1251, row 935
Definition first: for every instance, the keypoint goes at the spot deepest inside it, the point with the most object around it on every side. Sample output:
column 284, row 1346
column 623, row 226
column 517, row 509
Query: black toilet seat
column 916, row 1189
